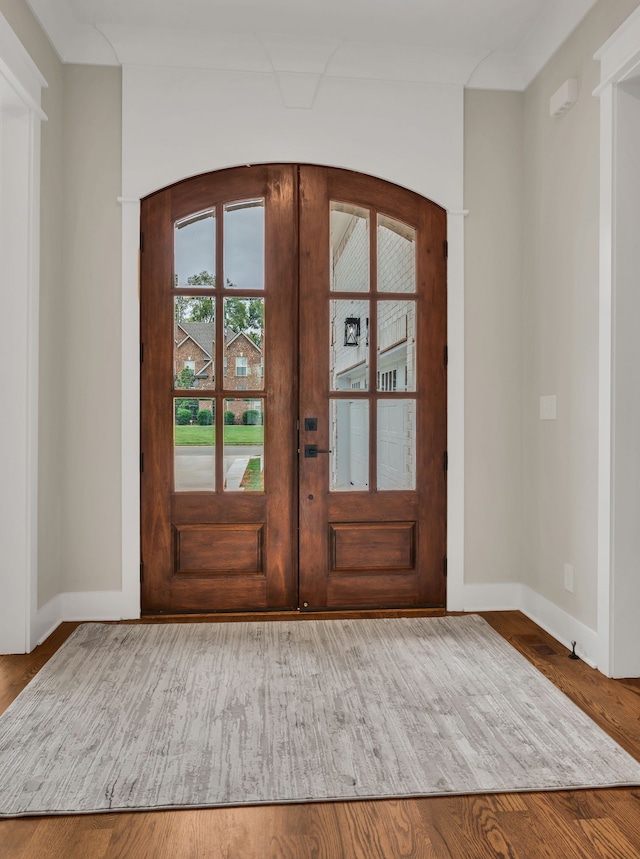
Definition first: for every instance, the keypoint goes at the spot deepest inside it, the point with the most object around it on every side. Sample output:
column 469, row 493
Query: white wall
column 180, row 122
column 90, row 365
column 493, row 336
column 561, row 317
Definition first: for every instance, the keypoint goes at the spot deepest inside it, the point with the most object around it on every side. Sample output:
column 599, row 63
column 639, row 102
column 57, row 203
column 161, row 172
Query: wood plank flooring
column 590, row 824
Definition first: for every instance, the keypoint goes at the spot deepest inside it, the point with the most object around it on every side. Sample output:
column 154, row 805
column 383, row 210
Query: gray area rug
column 192, row 715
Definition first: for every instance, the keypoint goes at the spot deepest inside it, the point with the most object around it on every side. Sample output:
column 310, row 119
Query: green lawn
column 199, row 435
column 243, row 435
column 253, row 480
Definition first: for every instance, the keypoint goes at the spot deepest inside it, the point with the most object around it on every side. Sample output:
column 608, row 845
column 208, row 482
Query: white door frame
column 20, row 120
column 618, row 490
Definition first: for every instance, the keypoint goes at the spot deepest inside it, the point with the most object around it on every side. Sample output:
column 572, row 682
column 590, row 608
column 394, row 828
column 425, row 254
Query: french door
column 293, row 383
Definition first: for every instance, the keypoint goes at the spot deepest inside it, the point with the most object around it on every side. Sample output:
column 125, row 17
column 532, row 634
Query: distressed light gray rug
column 192, row 715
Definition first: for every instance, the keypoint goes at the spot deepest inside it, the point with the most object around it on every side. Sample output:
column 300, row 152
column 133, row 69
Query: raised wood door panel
column 373, row 546
column 207, row 548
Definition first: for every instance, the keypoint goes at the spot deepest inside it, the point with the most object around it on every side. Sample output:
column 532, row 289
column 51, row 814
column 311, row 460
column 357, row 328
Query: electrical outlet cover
column 548, row 408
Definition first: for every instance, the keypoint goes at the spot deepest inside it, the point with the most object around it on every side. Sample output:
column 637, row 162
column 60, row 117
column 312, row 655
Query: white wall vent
column 564, row 98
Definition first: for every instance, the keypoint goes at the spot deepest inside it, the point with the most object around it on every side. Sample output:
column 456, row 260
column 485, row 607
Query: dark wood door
column 293, row 393
column 373, row 315
column 218, row 379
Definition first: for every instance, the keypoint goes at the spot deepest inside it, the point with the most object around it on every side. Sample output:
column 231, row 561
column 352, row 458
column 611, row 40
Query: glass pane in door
column 194, row 243
column 194, row 444
column 396, row 465
column 349, row 248
column 349, row 447
column 244, row 445
column 349, row 345
column 244, row 245
column 396, row 256
column 396, row 346
column 194, row 337
column 244, row 344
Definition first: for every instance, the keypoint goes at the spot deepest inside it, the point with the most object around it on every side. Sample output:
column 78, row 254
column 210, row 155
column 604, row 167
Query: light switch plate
column 548, row 408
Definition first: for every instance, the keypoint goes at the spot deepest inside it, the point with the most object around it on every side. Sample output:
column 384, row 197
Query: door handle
column 311, row 451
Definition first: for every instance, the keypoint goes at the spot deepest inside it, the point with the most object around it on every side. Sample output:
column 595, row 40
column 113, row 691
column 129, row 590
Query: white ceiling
column 482, row 43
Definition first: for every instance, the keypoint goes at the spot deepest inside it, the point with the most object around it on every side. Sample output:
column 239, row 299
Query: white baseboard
column 491, row 597
column 79, row 606
column 94, row 605
column 561, row 625
column 554, row 620
column 112, row 605
column 46, row 621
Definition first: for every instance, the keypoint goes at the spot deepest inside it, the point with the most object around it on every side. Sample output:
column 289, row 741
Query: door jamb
column 21, row 116
column 619, row 60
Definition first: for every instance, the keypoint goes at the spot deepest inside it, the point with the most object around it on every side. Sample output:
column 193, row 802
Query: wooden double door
column 293, row 377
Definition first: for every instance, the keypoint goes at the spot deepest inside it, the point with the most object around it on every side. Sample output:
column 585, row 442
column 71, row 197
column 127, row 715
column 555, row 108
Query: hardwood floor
column 585, row 823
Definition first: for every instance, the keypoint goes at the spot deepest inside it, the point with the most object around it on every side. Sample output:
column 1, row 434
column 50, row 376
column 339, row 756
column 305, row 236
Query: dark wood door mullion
column 313, row 315
column 157, row 446
column 373, row 349
column 219, row 352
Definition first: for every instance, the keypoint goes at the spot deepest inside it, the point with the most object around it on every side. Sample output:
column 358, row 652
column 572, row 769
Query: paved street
column 195, row 465
column 208, row 450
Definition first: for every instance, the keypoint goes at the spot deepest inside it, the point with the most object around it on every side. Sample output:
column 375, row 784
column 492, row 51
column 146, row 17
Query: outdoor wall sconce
column 351, row 330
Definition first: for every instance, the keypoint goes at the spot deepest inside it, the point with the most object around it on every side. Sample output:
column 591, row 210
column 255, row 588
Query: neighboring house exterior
column 194, row 348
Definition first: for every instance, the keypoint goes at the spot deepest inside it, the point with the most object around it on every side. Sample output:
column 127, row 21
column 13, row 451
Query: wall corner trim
column 619, row 55
column 619, row 59
column 20, row 121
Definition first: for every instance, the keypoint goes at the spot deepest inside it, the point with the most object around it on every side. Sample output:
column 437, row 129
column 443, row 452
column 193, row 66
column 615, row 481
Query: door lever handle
column 311, row 451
